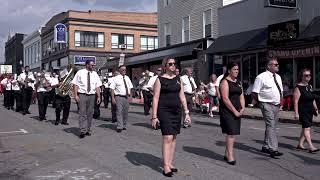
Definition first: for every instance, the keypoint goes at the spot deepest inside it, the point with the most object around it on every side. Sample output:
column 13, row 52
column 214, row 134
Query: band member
column 17, row 95
column 113, row 106
column 54, row 81
column 153, row 79
column 43, row 88
column 8, row 93
column 147, row 96
column 189, row 87
column 26, row 80
column 62, row 103
column 120, row 93
column 106, row 91
column 86, row 84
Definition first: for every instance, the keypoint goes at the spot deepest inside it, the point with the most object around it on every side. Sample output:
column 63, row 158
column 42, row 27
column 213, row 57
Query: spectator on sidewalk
column 213, row 94
column 305, row 107
column 286, row 101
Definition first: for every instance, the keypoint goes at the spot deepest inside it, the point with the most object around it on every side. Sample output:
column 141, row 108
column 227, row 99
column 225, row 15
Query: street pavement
column 34, row 150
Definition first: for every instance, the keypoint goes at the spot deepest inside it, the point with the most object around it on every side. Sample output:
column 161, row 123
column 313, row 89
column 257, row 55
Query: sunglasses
column 307, row 75
column 275, row 64
column 172, row 64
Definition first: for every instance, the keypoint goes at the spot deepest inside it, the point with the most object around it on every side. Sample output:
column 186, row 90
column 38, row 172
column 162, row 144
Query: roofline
column 119, row 12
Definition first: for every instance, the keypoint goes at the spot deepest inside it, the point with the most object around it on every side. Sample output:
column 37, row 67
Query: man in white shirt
column 120, row 93
column 267, row 90
column 224, row 69
column 106, row 89
column 54, row 80
column 113, row 106
column 43, row 88
column 8, row 93
column 153, row 79
column 86, row 84
column 189, row 86
column 17, row 94
column 26, row 80
column 147, row 96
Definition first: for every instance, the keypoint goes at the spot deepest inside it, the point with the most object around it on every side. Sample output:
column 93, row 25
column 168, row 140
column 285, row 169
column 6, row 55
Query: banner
column 60, row 33
column 4, row 69
column 295, row 53
column 283, row 32
column 81, row 60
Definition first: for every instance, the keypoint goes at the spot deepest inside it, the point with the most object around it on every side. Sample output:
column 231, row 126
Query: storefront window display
column 249, row 69
column 286, row 71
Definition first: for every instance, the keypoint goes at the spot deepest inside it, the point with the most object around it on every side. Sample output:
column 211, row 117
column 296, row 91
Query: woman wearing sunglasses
column 305, row 107
column 166, row 111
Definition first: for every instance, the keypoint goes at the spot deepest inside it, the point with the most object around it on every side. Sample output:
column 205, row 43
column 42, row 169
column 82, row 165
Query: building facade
column 181, row 21
column 14, row 52
column 101, row 35
column 32, row 50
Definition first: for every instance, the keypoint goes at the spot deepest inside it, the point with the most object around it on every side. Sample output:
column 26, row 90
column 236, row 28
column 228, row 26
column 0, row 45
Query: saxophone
column 65, row 86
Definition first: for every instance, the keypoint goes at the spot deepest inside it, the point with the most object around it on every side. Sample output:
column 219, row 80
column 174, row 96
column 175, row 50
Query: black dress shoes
column 274, row 154
column 313, row 151
column 119, row 130
column 56, row 123
column 232, row 162
column 82, row 135
column 88, row 133
column 168, row 174
column 265, row 150
column 124, row 129
column 174, row 170
column 28, row 112
column 65, row 123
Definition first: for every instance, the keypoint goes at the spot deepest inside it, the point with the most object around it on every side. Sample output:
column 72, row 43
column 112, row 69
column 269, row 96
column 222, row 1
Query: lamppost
column 20, row 67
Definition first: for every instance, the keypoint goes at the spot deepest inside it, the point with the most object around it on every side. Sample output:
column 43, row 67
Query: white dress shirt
column 219, row 80
column 144, row 83
column 80, row 80
column 107, row 84
column 54, row 81
column 267, row 89
column 151, row 82
column 15, row 85
column 118, row 86
column 187, row 84
column 41, row 87
column 6, row 83
column 22, row 77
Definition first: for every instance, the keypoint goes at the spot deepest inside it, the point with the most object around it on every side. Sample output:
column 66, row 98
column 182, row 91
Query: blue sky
column 26, row 16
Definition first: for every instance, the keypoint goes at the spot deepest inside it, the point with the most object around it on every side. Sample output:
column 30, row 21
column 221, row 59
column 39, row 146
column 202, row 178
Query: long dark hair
column 300, row 75
column 229, row 67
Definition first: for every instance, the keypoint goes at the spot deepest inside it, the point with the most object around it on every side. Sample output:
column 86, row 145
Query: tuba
column 65, row 86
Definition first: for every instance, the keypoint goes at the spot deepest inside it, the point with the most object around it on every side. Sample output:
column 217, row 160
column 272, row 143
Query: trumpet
column 65, row 86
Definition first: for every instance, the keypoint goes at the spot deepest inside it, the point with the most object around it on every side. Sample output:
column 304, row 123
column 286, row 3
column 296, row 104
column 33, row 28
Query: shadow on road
column 73, row 130
column 104, row 119
column 203, row 152
column 109, row 126
column 139, row 113
column 307, row 160
column 35, row 117
column 282, row 145
column 297, row 139
column 144, row 159
column 146, row 125
column 206, row 123
column 244, row 147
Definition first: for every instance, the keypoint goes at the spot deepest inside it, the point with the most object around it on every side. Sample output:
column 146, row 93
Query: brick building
column 14, row 52
column 98, row 34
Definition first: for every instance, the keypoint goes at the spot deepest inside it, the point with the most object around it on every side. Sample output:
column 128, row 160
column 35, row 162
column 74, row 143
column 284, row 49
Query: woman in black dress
column 231, row 108
column 166, row 111
column 305, row 107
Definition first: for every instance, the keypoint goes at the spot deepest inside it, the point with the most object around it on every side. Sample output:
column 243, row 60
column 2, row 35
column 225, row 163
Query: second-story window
column 207, row 23
column 117, row 40
column 149, row 42
column 89, row 39
column 167, row 34
column 185, row 29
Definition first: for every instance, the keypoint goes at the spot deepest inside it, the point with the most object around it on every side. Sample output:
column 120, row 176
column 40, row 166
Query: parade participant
column 305, row 107
column 54, row 80
column 166, row 112
column 63, row 102
column 153, row 79
column 86, row 84
column 113, row 106
column 106, row 90
column 43, row 88
column 267, row 90
column 120, row 93
column 231, row 108
column 213, row 93
column 147, row 96
column 26, row 81
column 189, row 87
column 8, row 93
column 17, row 95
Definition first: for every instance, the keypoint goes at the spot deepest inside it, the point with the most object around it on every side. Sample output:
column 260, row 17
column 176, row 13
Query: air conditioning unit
column 123, row 46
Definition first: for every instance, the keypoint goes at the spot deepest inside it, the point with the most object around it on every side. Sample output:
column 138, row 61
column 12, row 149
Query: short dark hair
column 121, row 66
column 27, row 67
column 88, row 62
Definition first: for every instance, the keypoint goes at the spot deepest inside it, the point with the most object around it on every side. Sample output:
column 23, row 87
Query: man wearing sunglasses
column 268, row 91
column 189, row 87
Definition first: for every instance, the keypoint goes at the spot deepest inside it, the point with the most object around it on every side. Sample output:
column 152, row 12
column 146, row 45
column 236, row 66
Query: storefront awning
column 158, row 54
column 243, row 41
column 312, row 30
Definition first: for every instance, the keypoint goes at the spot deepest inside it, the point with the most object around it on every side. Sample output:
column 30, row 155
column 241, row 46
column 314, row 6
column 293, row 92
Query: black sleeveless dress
column 169, row 106
column 230, row 124
column 305, row 105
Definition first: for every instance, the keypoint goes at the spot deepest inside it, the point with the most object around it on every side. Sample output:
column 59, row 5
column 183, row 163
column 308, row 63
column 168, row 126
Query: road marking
column 21, row 131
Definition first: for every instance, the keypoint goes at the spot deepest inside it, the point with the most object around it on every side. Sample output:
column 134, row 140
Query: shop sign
column 81, row 60
column 283, row 32
column 295, row 53
column 4, row 69
column 60, row 33
column 282, row 3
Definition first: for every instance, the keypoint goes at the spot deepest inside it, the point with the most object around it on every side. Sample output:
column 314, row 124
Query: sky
column 26, row 16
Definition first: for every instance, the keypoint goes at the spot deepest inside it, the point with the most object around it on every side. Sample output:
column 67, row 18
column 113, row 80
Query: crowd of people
column 171, row 97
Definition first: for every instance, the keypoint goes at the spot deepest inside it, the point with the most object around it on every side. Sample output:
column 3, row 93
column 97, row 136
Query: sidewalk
column 255, row 113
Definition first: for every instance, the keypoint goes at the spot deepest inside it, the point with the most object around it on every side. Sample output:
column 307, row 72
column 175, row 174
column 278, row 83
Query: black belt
column 189, row 94
column 124, row 96
column 87, row 94
column 272, row 104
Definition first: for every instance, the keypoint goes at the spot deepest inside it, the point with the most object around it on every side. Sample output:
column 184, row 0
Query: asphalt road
column 30, row 149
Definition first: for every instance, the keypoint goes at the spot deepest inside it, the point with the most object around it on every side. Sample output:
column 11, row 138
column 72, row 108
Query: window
column 89, row 39
column 167, row 33
column 117, row 40
column 166, row 2
column 207, row 23
column 149, row 42
column 185, row 29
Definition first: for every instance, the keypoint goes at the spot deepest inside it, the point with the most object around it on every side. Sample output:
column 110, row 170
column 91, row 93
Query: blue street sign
column 81, row 60
column 60, row 33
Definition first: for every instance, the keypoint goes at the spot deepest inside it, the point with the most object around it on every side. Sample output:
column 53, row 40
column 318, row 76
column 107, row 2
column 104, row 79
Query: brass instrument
column 65, row 86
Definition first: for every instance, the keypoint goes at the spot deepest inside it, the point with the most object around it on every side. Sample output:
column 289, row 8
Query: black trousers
column 18, row 99
column 5, row 96
column 43, row 101
column 96, row 110
column 62, row 104
column 9, row 99
column 26, row 98
column 52, row 97
column 114, row 112
column 106, row 97
column 147, row 99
